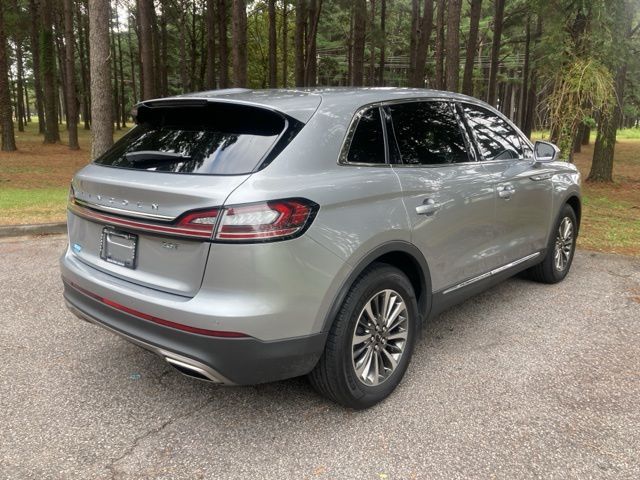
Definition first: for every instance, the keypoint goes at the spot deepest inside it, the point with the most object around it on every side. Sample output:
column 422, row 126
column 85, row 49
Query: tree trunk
column 472, row 46
column 34, row 13
column 604, row 149
column 273, row 46
column 239, row 51
column 426, row 24
column 531, row 93
column 413, row 38
column 116, row 89
column 164, row 51
column 452, row 70
column 372, row 45
column 299, row 43
column 440, row 19
column 48, row 65
column 383, row 41
column 210, row 76
column 84, row 76
column 132, row 63
column 144, row 16
column 71, row 93
column 285, row 44
column 223, row 51
column 498, row 20
column 100, row 65
column 315, row 7
column 8, row 143
column 123, row 98
column 359, row 35
column 525, row 74
column 20, row 90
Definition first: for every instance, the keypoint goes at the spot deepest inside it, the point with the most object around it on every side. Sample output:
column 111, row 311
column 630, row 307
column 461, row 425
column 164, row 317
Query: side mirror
column 545, row 152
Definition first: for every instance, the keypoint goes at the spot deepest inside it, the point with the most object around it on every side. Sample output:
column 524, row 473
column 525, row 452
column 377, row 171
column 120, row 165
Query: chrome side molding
column 495, row 271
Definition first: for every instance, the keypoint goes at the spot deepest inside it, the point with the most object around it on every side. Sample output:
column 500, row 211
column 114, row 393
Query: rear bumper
column 234, row 361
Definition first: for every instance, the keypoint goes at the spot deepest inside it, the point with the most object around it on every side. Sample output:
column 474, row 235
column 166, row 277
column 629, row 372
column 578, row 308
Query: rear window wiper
column 146, row 155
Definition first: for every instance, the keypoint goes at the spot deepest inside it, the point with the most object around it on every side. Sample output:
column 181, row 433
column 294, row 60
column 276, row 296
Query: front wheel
column 371, row 341
column 560, row 250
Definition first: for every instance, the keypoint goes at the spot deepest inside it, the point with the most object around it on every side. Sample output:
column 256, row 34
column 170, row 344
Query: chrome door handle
column 428, row 207
column 505, row 191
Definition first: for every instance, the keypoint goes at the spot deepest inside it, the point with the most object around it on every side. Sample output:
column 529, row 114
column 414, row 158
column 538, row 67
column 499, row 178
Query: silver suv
column 251, row 236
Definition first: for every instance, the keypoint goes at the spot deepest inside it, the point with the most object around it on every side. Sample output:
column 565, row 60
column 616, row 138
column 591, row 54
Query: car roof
column 302, row 103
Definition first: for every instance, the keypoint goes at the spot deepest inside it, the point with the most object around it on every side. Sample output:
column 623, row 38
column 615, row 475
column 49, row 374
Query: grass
column 34, row 182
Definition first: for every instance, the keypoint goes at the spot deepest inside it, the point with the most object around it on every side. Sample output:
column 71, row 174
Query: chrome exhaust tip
column 192, row 371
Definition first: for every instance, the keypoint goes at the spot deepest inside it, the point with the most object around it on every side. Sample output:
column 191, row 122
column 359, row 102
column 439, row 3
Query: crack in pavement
column 111, row 466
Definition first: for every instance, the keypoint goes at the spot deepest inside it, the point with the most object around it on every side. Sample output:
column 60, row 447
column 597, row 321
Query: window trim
column 524, row 141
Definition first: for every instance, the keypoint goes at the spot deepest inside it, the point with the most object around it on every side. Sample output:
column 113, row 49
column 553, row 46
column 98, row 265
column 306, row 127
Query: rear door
column 523, row 192
column 448, row 195
column 145, row 210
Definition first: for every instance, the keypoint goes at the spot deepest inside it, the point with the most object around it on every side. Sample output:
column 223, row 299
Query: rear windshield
column 197, row 138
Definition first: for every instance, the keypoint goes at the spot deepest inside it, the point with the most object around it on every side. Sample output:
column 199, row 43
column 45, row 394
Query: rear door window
column 215, row 139
column 427, row 133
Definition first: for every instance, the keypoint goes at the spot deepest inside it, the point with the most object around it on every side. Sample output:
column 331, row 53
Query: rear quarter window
column 206, row 138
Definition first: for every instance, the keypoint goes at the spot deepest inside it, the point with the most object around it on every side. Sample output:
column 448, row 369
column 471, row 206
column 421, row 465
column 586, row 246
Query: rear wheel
column 560, row 249
column 371, row 341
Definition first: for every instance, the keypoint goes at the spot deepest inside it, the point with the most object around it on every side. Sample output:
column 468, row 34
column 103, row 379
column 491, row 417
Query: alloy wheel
column 564, row 244
column 379, row 337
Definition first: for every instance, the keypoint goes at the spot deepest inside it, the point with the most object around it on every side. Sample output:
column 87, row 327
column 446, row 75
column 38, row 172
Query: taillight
column 256, row 222
column 266, row 221
column 202, row 220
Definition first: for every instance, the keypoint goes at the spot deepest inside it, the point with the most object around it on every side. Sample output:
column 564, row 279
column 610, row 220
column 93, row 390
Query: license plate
column 119, row 247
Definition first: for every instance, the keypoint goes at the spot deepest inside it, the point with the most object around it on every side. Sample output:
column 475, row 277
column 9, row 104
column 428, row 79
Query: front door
column 523, row 192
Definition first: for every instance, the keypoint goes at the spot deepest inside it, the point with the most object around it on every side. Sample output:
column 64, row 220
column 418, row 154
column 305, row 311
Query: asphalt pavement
column 523, row 381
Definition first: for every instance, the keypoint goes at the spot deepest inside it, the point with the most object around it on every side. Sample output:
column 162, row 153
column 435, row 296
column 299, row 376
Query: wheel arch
column 402, row 255
column 574, row 202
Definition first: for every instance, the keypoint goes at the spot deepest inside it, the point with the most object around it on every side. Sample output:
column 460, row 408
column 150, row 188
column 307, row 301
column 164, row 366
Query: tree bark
column 285, row 43
column 440, row 19
column 531, row 93
column 239, row 51
column 315, row 7
column 273, row 45
column 413, row 38
column 299, row 41
column 383, row 41
column 372, row 45
column 144, row 16
column 452, row 70
column 210, row 76
column 132, row 63
column 422, row 46
column 34, row 12
column 48, row 65
column 100, row 65
column 71, row 93
column 498, row 21
column 359, row 35
column 84, row 76
column 605, row 146
column 223, row 51
column 20, row 90
column 472, row 46
column 6, row 117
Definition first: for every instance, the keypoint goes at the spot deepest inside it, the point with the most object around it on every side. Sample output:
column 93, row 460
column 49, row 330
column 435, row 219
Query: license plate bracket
column 119, row 248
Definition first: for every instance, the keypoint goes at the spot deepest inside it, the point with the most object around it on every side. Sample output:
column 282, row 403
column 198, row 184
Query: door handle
column 505, row 191
column 428, row 207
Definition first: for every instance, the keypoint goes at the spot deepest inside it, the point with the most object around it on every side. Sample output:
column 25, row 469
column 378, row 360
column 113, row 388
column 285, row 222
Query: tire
column 552, row 270
column 346, row 372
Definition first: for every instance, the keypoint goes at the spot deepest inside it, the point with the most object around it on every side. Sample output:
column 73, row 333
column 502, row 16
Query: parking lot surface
column 523, row 381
